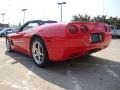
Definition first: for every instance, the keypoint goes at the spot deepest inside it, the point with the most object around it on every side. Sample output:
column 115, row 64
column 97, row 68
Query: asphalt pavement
column 99, row 71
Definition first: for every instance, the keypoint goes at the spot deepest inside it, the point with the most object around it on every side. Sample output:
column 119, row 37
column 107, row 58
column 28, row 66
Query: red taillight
column 83, row 28
column 72, row 29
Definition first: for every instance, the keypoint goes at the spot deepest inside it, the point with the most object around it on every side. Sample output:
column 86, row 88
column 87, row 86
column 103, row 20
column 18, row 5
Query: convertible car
column 47, row 41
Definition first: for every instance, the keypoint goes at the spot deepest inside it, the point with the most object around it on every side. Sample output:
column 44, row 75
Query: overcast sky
column 49, row 10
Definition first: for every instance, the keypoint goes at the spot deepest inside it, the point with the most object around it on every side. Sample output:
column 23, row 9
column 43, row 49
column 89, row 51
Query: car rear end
column 86, row 37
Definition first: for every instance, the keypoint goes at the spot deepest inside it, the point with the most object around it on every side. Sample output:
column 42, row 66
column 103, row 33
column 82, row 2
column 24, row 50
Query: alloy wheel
column 37, row 52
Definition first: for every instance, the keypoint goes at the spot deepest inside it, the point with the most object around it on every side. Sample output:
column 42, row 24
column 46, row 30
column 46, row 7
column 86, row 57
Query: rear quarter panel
column 53, row 36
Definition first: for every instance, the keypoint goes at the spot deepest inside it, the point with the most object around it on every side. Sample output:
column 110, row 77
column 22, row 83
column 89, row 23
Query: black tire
column 2, row 35
column 8, row 45
column 40, row 60
column 119, row 36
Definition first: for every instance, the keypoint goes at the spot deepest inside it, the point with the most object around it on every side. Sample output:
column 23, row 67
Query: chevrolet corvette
column 47, row 41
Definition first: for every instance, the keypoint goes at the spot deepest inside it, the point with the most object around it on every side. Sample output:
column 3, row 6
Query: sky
column 49, row 10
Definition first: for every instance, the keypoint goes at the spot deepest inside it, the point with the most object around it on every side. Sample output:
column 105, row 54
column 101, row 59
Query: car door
column 21, row 38
column 118, row 32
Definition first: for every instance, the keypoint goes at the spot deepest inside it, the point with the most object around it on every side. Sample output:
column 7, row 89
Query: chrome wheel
column 8, row 45
column 38, row 52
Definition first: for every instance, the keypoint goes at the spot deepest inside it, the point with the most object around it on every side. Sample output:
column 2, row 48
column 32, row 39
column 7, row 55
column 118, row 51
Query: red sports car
column 51, row 41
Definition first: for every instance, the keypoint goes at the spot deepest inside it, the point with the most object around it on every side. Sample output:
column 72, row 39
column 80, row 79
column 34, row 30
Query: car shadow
column 115, row 37
column 87, row 69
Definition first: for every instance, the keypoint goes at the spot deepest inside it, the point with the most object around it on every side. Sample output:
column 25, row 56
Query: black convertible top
column 39, row 22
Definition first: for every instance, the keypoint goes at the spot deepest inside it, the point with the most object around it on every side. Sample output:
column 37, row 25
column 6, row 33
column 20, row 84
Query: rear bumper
column 75, row 47
column 83, row 50
column 85, row 47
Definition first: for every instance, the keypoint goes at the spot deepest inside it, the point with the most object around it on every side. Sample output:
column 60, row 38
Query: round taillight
column 83, row 28
column 72, row 29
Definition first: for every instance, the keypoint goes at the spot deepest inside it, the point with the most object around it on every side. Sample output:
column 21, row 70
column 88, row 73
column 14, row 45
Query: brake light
column 72, row 29
column 83, row 28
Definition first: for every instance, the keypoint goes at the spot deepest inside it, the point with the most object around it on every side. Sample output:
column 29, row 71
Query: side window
column 30, row 25
column 9, row 29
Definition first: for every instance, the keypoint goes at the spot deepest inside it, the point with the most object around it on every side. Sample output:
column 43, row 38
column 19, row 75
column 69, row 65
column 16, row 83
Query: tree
column 81, row 18
column 103, row 18
column 100, row 18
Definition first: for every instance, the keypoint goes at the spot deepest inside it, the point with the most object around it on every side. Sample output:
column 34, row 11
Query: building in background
column 4, row 25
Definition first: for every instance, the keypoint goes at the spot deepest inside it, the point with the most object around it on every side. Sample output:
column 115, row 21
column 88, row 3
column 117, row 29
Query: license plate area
column 95, row 38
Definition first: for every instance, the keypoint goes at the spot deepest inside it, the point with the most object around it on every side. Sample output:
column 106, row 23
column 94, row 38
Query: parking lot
column 99, row 71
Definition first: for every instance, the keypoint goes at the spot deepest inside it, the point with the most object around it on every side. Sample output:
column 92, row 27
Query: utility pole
column 103, row 7
column 61, row 4
column 24, row 11
column 3, row 14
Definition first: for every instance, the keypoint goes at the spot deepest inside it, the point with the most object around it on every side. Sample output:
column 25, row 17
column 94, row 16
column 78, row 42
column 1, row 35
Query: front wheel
column 39, row 52
column 2, row 35
column 8, row 45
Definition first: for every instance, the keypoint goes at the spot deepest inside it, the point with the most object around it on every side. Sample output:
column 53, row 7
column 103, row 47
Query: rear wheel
column 39, row 52
column 8, row 45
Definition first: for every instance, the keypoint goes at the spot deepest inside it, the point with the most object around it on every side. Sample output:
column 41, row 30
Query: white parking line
column 25, row 82
column 97, row 64
column 13, row 85
column 11, row 60
column 111, row 72
column 73, row 80
column 7, row 62
column 28, row 76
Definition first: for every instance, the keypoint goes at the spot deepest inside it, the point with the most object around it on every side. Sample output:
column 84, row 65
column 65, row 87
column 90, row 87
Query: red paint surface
column 60, row 43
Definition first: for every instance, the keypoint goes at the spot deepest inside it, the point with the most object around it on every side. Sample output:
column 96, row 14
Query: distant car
column 5, row 31
column 50, row 41
column 115, row 31
column 14, row 30
column 1, row 29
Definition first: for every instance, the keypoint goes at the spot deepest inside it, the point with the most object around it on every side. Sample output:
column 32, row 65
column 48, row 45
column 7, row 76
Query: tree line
column 100, row 18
